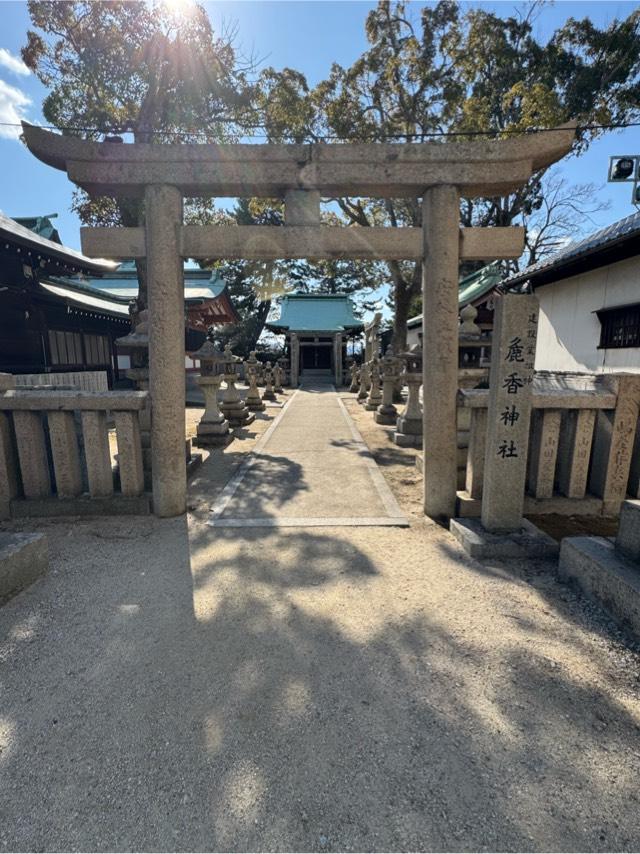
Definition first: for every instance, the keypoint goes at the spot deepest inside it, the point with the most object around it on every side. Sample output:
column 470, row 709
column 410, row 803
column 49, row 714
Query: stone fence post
column 8, row 456
column 613, row 443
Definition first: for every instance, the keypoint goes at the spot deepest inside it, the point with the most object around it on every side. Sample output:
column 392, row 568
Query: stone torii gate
column 438, row 173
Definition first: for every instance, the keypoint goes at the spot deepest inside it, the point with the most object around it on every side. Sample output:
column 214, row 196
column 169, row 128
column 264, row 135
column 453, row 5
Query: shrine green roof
column 31, row 240
column 122, row 283
column 316, row 313
column 41, row 225
column 471, row 288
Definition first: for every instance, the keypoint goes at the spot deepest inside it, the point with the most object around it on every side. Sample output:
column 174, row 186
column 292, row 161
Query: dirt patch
column 575, row 526
column 397, row 464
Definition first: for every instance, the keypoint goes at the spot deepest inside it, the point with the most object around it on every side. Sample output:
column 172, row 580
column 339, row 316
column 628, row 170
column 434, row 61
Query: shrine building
column 317, row 328
column 61, row 312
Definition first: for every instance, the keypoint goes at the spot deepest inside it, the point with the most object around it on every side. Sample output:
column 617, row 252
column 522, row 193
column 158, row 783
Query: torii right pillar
column 441, row 245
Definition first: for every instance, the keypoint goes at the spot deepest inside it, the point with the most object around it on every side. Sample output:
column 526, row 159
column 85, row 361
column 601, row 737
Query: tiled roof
column 205, row 294
column 617, row 232
column 316, row 313
column 123, row 283
column 87, row 298
column 12, row 231
column 41, row 225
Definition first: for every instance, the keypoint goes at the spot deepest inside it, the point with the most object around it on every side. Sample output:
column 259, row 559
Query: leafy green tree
column 257, row 286
column 125, row 67
column 252, row 284
column 453, row 71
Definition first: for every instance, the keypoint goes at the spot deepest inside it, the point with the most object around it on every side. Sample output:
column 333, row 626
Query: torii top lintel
column 382, row 170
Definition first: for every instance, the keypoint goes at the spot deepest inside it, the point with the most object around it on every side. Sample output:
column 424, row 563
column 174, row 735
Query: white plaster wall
column 569, row 332
column 414, row 336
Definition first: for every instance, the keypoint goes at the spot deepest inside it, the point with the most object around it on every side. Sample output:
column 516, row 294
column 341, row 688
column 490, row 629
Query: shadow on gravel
column 567, row 600
column 170, row 692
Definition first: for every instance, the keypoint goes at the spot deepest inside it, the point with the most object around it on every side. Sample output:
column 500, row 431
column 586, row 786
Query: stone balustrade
column 55, row 456
column 583, row 454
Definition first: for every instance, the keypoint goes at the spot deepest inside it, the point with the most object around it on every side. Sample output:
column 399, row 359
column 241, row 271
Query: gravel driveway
column 171, row 686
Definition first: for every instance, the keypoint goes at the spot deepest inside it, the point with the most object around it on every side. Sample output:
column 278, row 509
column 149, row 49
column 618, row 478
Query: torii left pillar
column 441, row 238
column 163, row 218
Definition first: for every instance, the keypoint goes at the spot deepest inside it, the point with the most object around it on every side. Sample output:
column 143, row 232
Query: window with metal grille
column 620, row 327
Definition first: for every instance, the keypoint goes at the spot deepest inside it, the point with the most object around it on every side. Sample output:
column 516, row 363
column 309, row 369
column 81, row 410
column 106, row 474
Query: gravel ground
column 170, row 686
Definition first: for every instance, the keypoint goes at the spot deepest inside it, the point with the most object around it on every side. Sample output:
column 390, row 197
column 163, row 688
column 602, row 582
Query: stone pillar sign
column 509, row 412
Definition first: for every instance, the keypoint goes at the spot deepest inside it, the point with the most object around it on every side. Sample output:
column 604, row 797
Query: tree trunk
column 261, row 318
column 132, row 215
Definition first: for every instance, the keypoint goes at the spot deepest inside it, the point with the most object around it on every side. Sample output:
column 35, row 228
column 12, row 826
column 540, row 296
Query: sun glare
column 178, row 8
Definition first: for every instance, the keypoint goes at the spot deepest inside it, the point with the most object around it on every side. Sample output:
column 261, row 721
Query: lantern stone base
column 408, row 433
column 213, row 435
column 481, row 544
column 386, row 415
column 255, row 405
column 237, row 414
column 214, row 432
column 269, row 395
column 407, row 440
column 373, row 405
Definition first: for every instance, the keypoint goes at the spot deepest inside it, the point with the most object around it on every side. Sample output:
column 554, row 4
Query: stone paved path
column 310, row 468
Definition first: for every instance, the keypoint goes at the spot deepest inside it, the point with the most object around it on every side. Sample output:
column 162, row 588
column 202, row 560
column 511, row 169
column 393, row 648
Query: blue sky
column 308, row 36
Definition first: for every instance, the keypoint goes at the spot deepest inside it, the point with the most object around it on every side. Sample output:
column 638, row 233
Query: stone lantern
column 281, row 379
column 387, row 413
column 269, row 392
column 213, row 428
column 408, row 432
column 374, row 398
column 364, row 382
column 285, row 366
column 473, row 347
column 473, row 372
column 232, row 404
column 253, row 400
column 355, row 382
column 277, row 378
column 135, row 344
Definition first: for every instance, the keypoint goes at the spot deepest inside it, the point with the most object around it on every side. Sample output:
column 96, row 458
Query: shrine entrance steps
column 310, row 468
column 316, row 375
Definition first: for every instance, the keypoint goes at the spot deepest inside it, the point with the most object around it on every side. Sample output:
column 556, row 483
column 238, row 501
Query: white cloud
column 13, row 63
column 13, row 103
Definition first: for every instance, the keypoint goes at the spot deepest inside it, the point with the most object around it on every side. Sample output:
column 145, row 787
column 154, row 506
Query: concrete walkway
column 310, row 468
